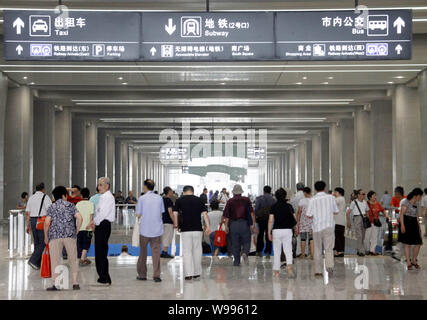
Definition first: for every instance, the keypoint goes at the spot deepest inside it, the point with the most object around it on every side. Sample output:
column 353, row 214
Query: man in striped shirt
column 322, row 208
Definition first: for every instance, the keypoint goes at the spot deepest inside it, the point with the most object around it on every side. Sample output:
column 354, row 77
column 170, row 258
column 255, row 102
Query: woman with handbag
column 281, row 223
column 359, row 208
column 371, row 234
column 410, row 227
column 60, row 231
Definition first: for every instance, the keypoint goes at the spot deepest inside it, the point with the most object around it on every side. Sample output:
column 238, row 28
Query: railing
column 19, row 239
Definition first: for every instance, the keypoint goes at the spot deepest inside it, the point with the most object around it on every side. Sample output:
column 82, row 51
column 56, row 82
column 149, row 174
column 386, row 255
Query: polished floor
column 387, row 279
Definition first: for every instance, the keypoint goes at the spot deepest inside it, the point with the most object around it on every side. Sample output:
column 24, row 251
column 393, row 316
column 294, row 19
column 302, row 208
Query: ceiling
column 293, row 100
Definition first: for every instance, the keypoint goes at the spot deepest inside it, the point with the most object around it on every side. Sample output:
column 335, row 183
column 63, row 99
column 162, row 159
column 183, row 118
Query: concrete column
column 324, row 155
column 110, row 159
column 316, row 158
column 18, row 156
column 381, row 146
column 78, row 152
column 362, row 151
column 91, row 156
column 63, row 125
column 406, row 138
column 292, row 172
column 135, row 172
column 125, row 167
column 44, row 141
column 118, row 186
column 130, row 168
column 309, row 163
column 347, row 156
column 286, row 166
column 422, row 92
column 302, row 168
column 335, row 155
column 3, row 99
column 102, row 153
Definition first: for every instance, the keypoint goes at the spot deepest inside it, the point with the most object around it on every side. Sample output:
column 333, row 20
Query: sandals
column 409, row 267
column 415, row 265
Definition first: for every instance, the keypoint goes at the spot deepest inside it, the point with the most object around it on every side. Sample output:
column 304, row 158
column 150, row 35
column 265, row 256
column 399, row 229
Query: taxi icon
column 40, row 25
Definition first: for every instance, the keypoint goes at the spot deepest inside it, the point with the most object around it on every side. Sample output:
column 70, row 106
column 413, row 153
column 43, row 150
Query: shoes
column 245, row 258
column 76, row 287
column 141, row 278
column 52, row 288
column 330, row 271
column 99, row 282
column 85, row 262
column 196, row 277
column 65, row 257
column 318, row 274
column 157, row 279
column 291, row 274
column 360, row 254
column 283, row 265
column 340, row 255
column 166, row 255
column 259, row 254
column 267, row 256
column 32, row 265
column 189, row 278
column 373, row 254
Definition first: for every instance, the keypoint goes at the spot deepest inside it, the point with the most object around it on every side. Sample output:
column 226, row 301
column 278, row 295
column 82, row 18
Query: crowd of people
column 318, row 220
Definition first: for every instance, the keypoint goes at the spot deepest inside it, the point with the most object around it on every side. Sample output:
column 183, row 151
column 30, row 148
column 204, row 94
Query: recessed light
column 399, row 77
column 390, row 82
column 124, row 83
column 32, row 83
column 304, row 78
column 25, row 78
column 298, row 83
column 325, row 82
column 222, row 83
column 330, row 78
column 120, row 78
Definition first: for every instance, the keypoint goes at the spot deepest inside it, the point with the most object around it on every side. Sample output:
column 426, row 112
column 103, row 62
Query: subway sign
column 207, row 36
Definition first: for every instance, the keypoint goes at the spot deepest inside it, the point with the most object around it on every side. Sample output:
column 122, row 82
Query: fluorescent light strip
column 213, row 120
column 212, row 71
column 215, row 100
column 207, row 104
column 419, row 20
column 210, row 66
column 271, row 132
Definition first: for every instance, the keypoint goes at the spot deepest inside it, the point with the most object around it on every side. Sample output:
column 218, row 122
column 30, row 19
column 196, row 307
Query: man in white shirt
column 223, row 197
column 299, row 195
column 322, row 208
column 105, row 214
column 37, row 206
column 359, row 208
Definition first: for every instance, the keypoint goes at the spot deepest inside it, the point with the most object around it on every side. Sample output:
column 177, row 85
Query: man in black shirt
column 168, row 222
column 204, row 196
column 190, row 210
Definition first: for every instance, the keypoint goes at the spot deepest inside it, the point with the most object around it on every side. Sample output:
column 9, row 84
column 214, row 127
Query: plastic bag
column 45, row 270
column 135, row 234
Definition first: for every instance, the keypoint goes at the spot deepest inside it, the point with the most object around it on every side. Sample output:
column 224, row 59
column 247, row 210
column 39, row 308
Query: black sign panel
column 344, row 35
column 71, row 35
column 207, row 36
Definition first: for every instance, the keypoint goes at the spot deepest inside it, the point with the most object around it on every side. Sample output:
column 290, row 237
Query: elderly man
column 239, row 216
column 150, row 208
column 104, row 215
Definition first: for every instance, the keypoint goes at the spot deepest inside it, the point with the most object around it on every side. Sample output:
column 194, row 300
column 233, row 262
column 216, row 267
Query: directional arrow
column 18, row 24
column 399, row 23
column 19, row 49
column 398, row 49
column 170, row 27
column 153, row 51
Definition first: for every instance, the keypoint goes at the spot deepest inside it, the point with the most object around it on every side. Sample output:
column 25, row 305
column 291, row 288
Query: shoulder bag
column 40, row 220
column 365, row 219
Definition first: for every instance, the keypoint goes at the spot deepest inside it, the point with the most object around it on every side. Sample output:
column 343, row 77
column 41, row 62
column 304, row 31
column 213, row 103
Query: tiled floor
column 388, row 279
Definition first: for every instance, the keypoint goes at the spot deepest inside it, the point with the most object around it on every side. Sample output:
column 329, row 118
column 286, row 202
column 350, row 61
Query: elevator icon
column 191, row 27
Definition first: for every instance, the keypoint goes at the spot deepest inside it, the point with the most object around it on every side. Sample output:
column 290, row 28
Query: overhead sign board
column 207, row 36
column 344, row 35
column 71, row 35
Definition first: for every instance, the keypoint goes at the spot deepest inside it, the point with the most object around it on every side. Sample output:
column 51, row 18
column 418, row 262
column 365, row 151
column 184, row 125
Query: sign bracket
column 207, row 6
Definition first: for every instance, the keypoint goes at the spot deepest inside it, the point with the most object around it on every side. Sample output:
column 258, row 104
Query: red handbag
column 45, row 270
column 220, row 237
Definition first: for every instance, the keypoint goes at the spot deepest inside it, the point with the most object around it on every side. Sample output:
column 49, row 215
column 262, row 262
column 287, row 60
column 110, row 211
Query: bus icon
column 378, row 25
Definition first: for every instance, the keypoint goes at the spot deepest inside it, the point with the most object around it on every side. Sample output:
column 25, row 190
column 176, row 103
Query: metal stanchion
column 11, row 236
column 19, row 240
column 21, row 234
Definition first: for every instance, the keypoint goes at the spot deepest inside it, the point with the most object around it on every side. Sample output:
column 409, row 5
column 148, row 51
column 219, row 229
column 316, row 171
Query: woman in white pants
column 371, row 234
column 280, row 224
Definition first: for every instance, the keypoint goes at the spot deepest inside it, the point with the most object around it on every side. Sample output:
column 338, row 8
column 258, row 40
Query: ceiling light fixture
column 304, row 78
column 399, row 77
column 124, row 83
column 120, row 78
column 25, row 78
column 390, row 82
